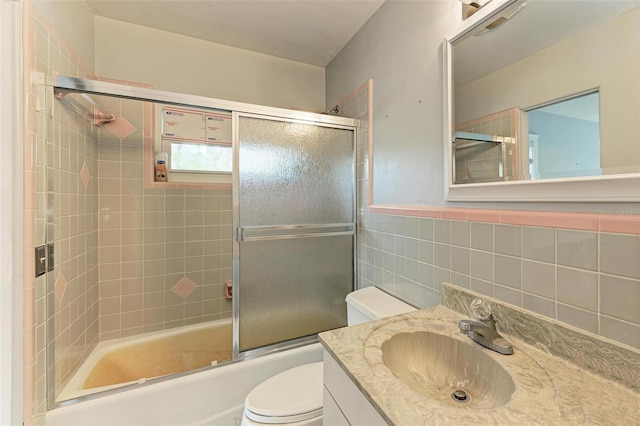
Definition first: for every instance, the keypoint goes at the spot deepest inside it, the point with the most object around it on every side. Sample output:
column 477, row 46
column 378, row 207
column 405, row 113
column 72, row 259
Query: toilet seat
column 294, row 395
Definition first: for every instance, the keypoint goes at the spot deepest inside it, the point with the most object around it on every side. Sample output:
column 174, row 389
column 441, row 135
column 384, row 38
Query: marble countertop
column 548, row 388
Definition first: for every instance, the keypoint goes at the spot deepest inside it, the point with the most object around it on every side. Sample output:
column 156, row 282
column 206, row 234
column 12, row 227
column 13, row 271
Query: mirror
column 544, row 94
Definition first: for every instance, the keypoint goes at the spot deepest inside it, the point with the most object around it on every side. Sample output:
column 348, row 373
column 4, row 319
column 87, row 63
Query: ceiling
column 540, row 24
column 308, row 31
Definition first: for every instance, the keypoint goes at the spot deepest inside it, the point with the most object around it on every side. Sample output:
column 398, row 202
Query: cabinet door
column 352, row 403
column 331, row 414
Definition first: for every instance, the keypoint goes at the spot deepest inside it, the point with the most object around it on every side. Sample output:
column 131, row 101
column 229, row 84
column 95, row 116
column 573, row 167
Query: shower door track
column 64, row 84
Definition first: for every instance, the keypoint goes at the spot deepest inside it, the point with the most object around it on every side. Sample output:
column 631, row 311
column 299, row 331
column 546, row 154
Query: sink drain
column 460, row 396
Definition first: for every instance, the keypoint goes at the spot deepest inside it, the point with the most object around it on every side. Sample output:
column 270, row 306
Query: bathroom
column 410, row 239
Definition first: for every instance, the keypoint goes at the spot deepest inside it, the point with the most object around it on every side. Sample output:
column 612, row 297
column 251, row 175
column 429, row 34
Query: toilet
column 294, row 397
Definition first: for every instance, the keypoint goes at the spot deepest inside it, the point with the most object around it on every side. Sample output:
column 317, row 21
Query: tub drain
column 460, row 396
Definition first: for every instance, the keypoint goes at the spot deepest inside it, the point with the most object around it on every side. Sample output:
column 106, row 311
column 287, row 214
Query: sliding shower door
column 294, row 198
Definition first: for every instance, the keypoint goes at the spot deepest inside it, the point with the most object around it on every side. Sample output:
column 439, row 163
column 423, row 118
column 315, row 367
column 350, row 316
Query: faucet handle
column 464, row 326
column 481, row 309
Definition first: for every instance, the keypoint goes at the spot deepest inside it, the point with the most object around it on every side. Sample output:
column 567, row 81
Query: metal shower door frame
column 61, row 85
column 255, row 233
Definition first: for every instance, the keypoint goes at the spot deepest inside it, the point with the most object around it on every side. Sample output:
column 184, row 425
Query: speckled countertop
column 549, row 389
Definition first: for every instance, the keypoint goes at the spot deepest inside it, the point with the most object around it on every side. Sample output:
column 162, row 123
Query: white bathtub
column 212, row 397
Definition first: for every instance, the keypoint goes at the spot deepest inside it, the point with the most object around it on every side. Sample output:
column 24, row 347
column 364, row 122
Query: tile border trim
column 595, row 222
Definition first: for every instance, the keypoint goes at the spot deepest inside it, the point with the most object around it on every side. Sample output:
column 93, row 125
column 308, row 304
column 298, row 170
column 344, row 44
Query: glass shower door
column 294, row 221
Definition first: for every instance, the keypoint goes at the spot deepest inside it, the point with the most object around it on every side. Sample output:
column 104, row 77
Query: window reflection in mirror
column 564, row 138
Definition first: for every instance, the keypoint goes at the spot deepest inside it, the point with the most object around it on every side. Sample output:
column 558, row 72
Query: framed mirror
column 542, row 102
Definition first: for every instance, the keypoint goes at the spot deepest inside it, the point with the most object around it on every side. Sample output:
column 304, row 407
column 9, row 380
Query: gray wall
column 400, row 48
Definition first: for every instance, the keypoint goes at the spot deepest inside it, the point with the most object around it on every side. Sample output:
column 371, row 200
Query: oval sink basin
column 442, row 368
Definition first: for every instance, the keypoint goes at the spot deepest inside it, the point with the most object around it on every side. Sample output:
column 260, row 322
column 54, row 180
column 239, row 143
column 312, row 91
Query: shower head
column 98, row 116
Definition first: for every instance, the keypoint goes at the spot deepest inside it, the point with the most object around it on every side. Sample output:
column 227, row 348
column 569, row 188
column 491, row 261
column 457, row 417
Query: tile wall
column 128, row 260
column 66, row 145
column 165, row 254
column 71, row 149
column 588, row 279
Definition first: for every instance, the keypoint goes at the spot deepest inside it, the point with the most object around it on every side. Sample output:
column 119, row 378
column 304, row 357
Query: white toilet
column 294, row 397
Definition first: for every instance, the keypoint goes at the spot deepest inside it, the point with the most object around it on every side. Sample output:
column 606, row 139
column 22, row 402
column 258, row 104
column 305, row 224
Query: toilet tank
column 371, row 303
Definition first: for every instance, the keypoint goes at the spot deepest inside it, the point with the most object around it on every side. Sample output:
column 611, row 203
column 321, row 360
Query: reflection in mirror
column 564, row 138
column 555, row 89
column 485, row 149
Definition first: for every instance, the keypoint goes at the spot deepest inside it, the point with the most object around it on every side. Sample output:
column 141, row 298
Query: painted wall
column 399, row 48
column 183, row 64
column 579, row 269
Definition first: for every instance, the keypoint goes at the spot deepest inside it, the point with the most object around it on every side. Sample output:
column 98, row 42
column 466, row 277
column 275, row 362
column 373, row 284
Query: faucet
column 484, row 330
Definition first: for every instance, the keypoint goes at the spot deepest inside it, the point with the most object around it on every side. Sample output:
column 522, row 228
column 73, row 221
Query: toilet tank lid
column 375, row 303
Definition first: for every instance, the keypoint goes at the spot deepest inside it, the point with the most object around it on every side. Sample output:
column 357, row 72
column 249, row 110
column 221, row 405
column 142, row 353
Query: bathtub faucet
column 484, row 330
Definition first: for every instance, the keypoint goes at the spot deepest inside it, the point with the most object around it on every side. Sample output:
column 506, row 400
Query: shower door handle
column 257, row 233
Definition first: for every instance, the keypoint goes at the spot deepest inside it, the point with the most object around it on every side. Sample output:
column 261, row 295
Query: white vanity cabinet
column 344, row 404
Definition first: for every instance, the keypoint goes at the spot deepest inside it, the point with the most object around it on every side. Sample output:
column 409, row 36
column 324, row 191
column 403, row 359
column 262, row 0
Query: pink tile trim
column 453, row 213
column 475, row 215
column 620, row 224
column 582, row 221
column 433, row 212
column 184, row 287
column 354, row 93
column 523, row 218
column 377, row 209
column 594, row 222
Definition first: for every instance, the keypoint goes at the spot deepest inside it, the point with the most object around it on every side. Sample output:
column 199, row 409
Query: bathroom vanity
column 417, row 368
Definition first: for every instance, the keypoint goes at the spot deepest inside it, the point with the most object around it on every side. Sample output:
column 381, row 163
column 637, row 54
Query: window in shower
column 199, row 158
column 197, row 142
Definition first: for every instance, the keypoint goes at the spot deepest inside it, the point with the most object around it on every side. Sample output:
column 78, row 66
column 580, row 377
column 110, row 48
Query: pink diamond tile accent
column 85, row 175
column 184, row 287
column 120, row 127
column 59, row 287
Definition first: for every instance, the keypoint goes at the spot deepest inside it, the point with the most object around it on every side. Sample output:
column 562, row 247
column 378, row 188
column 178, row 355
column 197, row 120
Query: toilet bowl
column 294, row 397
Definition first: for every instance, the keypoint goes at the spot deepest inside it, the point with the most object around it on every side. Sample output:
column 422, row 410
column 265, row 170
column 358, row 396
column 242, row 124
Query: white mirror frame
column 605, row 188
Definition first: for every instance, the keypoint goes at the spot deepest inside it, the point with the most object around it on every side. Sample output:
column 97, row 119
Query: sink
column 448, row 370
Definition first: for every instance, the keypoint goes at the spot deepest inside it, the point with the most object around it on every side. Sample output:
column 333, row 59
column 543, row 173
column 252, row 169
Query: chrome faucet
column 484, row 330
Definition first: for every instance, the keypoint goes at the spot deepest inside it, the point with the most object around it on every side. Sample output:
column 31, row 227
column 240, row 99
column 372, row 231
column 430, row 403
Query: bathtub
column 213, row 396
column 135, row 359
